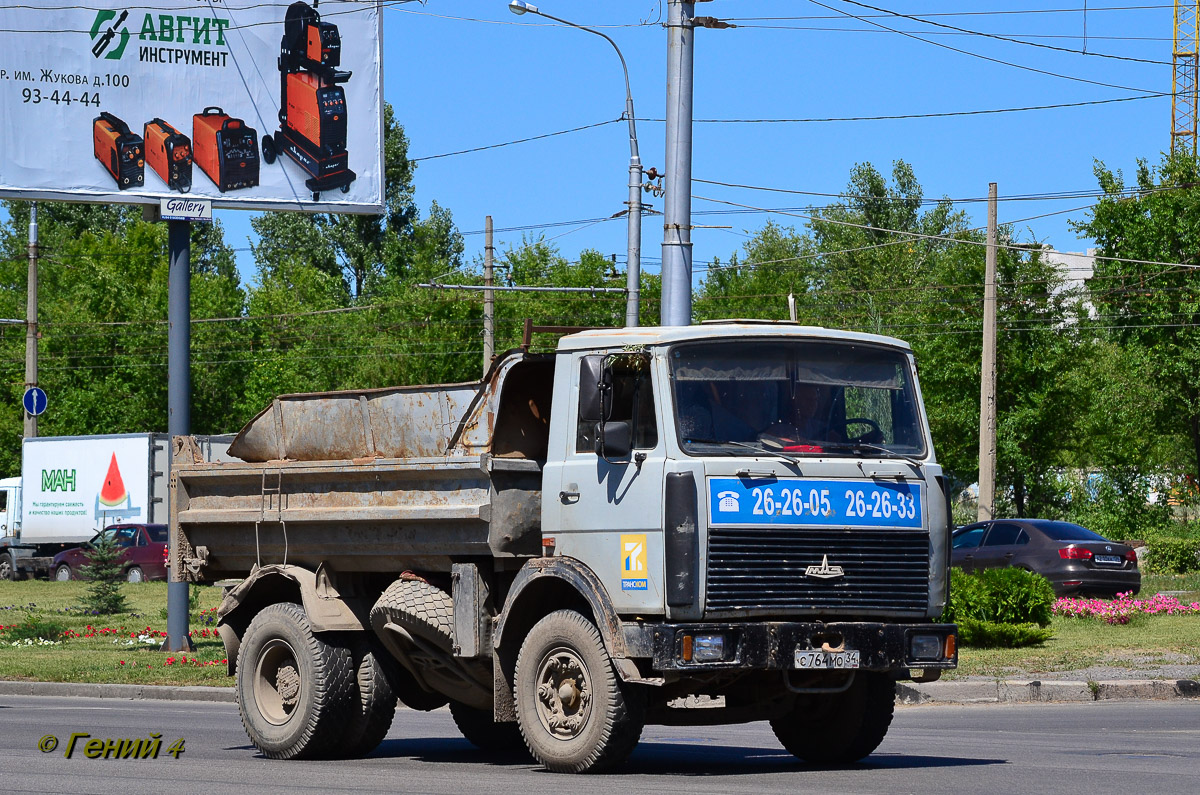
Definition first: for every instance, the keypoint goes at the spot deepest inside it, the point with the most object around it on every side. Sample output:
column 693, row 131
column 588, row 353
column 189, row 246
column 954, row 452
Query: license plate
column 1108, row 559
column 826, row 660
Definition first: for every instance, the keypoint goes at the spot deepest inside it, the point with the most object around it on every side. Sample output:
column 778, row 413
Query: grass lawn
column 100, row 644
column 1145, row 642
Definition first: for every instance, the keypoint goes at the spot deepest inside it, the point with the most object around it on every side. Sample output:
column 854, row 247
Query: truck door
column 609, row 507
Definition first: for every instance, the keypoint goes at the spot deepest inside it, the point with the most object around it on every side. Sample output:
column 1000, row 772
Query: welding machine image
column 119, row 150
column 312, row 107
column 225, row 149
column 169, row 153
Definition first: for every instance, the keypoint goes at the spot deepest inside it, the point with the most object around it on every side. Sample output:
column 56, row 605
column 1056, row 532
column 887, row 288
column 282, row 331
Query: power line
column 517, row 141
column 997, row 37
column 971, row 54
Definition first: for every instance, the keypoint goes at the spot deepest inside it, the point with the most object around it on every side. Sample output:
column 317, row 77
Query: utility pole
column 489, row 301
column 987, row 386
column 31, row 319
column 677, row 221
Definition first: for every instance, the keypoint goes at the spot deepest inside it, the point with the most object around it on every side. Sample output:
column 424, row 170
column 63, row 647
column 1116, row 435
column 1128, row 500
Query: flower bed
column 1122, row 608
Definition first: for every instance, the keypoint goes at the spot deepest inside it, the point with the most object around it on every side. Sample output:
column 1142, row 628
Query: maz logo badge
column 824, row 571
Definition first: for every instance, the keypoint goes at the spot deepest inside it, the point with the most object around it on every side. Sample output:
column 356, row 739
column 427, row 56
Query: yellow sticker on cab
column 633, row 562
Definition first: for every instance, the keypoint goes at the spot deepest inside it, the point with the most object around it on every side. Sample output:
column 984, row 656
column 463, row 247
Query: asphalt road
column 1100, row 747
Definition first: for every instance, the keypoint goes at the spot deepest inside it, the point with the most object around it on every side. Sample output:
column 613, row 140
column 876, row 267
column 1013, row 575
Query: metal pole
column 179, row 388
column 677, row 223
column 633, row 269
column 489, row 299
column 987, row 386
column 31, row 319
column 633, row 233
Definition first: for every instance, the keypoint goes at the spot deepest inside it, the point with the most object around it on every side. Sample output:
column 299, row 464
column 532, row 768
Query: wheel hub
column 278, row 684
column 564, row 694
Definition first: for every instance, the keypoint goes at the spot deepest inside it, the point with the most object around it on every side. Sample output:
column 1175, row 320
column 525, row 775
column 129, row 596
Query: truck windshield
column 799, row 397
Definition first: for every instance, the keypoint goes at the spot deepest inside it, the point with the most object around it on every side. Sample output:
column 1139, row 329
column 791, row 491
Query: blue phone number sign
column 823, row 503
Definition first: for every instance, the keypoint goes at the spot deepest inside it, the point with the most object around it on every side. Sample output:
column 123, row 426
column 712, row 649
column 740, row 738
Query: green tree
column 1149, row 309
column 103, row 570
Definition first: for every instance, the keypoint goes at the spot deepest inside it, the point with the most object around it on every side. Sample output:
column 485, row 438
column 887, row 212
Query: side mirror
column 591, row 375
column 615, row 440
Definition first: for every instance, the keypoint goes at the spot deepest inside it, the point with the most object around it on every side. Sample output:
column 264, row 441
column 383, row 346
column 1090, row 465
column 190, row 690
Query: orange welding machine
column 225, row 149
column 312, row 112
column 169, row 153
column 119, row 150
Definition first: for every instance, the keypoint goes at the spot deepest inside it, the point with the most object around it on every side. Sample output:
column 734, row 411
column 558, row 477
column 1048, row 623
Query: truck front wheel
column 575, row 713
column 8, row 569
column 295, row 691
column 839, row 728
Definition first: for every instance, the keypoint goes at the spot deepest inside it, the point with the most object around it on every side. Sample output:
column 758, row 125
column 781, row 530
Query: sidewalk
column 977, row 690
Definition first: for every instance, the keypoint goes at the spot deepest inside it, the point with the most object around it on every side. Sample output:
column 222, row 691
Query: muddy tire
column 839, row 728
column 573, row 710
column 420, row 608
column 427, row 613
column 482, row 731
column 372, row 716
column 295, row 690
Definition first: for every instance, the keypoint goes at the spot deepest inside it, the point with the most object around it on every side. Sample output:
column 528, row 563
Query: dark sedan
column 1074, row 559
column 143, row 553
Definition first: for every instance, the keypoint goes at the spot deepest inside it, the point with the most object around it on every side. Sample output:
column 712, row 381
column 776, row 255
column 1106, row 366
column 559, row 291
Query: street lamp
column 634, row 234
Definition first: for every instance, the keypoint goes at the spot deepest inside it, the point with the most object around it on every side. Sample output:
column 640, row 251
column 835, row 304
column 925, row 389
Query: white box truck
column 71, row 487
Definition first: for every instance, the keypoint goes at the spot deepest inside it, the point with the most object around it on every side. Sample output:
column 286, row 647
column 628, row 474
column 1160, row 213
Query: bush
column 1000, row 607
column 34, row 628
column 1171, row 555
column 992, row 634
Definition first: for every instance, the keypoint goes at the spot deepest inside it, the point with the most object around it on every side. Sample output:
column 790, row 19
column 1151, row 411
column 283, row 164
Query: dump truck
column 710, row 524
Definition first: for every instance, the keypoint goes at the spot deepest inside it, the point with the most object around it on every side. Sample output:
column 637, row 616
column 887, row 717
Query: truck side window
column 632, row 399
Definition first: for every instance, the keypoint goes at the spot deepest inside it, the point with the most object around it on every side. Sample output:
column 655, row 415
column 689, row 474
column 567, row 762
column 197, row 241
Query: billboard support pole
column 31, row 319
column 179, row 389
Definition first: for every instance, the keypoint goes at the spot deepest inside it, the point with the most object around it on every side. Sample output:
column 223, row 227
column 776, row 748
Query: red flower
column 122, row 662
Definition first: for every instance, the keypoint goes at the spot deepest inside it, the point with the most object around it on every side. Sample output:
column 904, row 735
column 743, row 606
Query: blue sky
column 469, row 73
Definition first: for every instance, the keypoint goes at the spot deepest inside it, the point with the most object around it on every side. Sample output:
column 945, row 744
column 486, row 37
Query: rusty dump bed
column 374, row 481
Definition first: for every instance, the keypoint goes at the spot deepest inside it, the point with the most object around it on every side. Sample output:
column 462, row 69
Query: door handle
column 570, row 495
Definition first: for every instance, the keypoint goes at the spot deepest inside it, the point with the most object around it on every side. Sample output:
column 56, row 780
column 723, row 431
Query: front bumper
column 773, row 645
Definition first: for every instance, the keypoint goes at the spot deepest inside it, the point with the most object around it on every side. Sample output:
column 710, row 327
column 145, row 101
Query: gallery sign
column 254, row 105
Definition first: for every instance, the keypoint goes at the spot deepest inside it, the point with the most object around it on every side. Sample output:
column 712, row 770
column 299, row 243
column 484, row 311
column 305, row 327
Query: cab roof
column 716, row 331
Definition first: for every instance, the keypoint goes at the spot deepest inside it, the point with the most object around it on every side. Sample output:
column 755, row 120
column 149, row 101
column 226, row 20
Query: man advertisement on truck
column 744, row 517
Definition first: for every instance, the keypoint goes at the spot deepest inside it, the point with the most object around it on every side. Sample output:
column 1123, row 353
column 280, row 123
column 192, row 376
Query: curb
column 129, row 692
column 1025, row 691
column 999, row 691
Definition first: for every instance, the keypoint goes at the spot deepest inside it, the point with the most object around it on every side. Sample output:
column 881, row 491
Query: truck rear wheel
column 839, row 728
column 575, row 713
column 295, row 691
column 372, row 716
column 482, row 731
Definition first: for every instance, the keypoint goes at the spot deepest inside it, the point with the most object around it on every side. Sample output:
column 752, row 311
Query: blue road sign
column 34, row 400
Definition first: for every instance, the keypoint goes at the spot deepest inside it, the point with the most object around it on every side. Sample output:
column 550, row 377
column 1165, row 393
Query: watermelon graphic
column 113, row 492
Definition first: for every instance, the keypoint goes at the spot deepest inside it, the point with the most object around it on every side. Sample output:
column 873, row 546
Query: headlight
column 925, row 647
column 703, row 648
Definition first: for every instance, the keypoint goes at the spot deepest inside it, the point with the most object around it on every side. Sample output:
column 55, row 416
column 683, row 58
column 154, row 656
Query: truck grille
column 764, row 570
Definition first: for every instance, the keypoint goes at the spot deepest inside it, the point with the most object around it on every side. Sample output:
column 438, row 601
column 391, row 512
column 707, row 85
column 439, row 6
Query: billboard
column 74, row 487
column 255, row 104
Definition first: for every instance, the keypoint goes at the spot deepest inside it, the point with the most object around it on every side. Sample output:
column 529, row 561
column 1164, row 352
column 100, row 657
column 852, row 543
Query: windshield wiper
column 764, row 447
column 860, row 447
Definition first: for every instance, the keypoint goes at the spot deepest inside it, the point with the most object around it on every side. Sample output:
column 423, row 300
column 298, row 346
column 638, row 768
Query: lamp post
column 634, row 235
